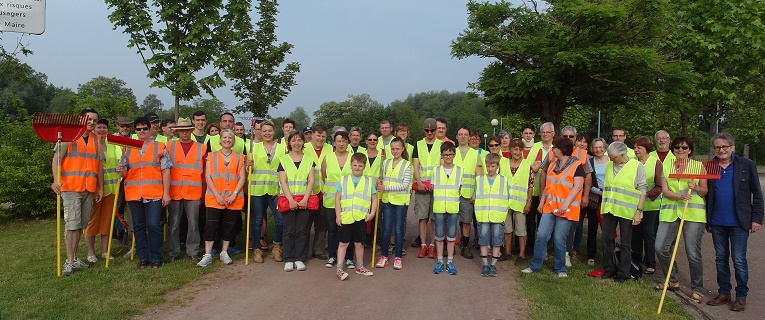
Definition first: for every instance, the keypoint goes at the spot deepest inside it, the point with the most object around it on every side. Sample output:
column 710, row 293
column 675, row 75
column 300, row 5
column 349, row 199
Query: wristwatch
column 640, row 209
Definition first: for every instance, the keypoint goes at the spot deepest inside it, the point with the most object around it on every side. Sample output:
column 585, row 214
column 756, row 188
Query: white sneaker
column 225, row 258
column 562, row 275
column 331, row 262
column 78, row 264
column 68, row 269
column 349, row 264
column 206, row 261
column 289, row 266
column 299, row 265
column 527, row 270
column 591, row 262
column 568, row 260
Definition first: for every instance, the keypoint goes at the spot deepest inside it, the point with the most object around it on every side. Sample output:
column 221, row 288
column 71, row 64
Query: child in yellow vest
column 355, row 205
column 447, row 181
column 492, row 201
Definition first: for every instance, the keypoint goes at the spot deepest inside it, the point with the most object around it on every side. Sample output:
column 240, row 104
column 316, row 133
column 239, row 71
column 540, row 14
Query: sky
column 388, row 49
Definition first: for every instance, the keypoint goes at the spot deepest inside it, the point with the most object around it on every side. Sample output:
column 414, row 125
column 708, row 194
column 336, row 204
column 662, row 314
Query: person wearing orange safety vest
column 147, row 189
column 560, row 203
column 185, row 189
column 81, row 183
column 225, row 176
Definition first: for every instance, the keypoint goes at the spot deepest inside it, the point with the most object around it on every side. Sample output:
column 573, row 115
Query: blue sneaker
column 492, row 271
column 439, row 267
column 451, row 269
column 234, row 250
column 485, row 271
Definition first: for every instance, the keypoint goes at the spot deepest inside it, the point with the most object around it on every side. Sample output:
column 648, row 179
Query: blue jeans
column 490, row 233
column 448, row 220
column 258, row 210
column 693, row 234
column 731, row 242
column 557, row 227
column 395, row 216
column 148, row 231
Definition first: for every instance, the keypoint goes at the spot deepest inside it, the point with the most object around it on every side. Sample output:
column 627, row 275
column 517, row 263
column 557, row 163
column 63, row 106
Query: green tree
column 109, row 96
column 576, row 52
column 213, row 109
column 151, row 104
column 302, row 119
column 253, row 58
column 23, row 87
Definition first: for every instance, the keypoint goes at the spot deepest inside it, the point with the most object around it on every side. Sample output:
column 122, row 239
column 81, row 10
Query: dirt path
column 265, row 291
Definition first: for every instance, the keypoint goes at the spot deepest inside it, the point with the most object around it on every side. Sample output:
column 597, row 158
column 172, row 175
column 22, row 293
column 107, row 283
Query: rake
column 123, row 142
column 687, row 169
column 377, row 215
column 52, row 127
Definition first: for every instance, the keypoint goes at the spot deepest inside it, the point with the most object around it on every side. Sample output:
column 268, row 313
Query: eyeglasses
column 721, row 147
column 430, row 130
column 371, row 139
column 570, row 136
column 682, row 147
column 547, row 132
column 141, row 129
column 447, row 155
column 493, row 144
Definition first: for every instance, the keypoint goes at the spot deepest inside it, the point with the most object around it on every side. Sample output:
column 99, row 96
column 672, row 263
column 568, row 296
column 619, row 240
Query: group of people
column 532, row 191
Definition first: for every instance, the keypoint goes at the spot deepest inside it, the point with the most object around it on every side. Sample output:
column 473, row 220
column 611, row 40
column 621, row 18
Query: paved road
column 265, row 291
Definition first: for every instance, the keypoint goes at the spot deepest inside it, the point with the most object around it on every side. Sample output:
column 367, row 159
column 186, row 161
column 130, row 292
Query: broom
column 52, row 127
column 123, row 142
column 377, row 214
column 689, row 169
column 249, row 203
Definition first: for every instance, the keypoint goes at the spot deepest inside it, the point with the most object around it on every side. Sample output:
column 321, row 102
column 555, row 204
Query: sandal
column 156, row 264
column 649, row 271
column 673, row 286
column 697, row 297
column 142, row 264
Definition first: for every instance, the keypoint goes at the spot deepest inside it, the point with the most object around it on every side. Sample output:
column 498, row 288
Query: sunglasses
column 141, row 129
column 682, row 147
column 430, row 130
column 570, row 136
column 371, row 139
column 493, row 144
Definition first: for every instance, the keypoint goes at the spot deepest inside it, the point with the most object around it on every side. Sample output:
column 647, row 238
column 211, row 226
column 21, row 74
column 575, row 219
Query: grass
column 30, row 289
column 583, row 297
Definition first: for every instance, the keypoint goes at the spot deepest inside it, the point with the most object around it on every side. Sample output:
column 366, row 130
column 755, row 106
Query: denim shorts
column 446, row 221
column 490, row 231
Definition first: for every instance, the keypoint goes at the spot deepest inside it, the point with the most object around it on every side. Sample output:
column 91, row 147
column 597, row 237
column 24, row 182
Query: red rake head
column 54, row 127
column 696, row 169
column 124, row 141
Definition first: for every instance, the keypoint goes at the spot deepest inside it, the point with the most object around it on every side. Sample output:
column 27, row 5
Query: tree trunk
column 552, row 109
column 177, row 107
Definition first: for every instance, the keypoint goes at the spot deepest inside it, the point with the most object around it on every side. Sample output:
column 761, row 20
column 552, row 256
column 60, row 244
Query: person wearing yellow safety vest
column 146, row 173
column 287, row 126
column 644, row 234
column 100, row 220
column 537, row 153
column 296, row 177
column 317, row 148
column 81, row 183
column 662, row 151
column 167, row 126
column 676, row 191
column 448, row 180
column 394, row 189
column 622, row 205
column 425, row 158
column 124, row 126
column 527, row 137
column 402, row 131
column 472, row 164
column 355, row 136
column 264, row 188
column 186, row 189
column 375, row 158
column 519, row 177
column 154, row 130
column 335, row 165
column 620, row 135
column 560, row 203
column 355, row 205
column 492, row 201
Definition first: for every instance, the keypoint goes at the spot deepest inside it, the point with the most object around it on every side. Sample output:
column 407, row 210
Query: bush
column 25, row 172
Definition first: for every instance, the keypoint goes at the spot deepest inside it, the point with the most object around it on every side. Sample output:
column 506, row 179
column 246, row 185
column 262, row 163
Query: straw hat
column 183, row 124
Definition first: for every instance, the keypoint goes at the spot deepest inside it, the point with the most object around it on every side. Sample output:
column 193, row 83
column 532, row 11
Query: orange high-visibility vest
column 225, row 178
column 144, row 178
column 557, row 188
column 79, row 166
column 187, row 170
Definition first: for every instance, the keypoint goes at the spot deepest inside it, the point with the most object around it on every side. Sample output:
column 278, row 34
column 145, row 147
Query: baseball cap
column 151, row 116
column 103, row 120
column 307, row 129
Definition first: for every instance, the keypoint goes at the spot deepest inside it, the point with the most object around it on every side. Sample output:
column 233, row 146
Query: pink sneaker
column 381, row 262
column 364, row 272
column 397, row 264
column 342, row 275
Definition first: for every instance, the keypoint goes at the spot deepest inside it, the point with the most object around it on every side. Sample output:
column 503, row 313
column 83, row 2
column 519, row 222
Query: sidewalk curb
column 693, row 308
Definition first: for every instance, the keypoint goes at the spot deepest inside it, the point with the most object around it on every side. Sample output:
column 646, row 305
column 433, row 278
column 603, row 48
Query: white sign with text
column 25, row 16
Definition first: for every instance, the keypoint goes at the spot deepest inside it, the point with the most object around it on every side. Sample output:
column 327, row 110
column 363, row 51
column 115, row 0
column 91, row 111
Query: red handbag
column 284, row 205
column 426, row 183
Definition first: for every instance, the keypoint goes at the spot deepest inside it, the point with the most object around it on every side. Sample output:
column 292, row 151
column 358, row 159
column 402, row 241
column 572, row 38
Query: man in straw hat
column 185, row 189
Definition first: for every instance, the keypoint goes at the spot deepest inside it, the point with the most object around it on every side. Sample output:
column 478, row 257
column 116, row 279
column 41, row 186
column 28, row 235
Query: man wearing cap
column 308, row 134
column 426, row 157
column 188, row 157
column 154, row 130
column 81, row 183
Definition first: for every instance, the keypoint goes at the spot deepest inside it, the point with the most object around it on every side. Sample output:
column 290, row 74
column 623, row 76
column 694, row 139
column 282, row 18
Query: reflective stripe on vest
column 533, row 156
column 308, row 150
column 519, row 185
column 355, row 200
column 394, row 176
column 558, row 188
column 468, row 163
column 225, row 179
column 372, row 171
column 111, row 177
column 671, row 210
column 297, row 178
column 446, row 190
column 264, row 179
column 491, row 202
column 620, row 197
column 186, row 173
column 334, row 173
column 79, row 166
column 428, row 159
column 144, row 178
